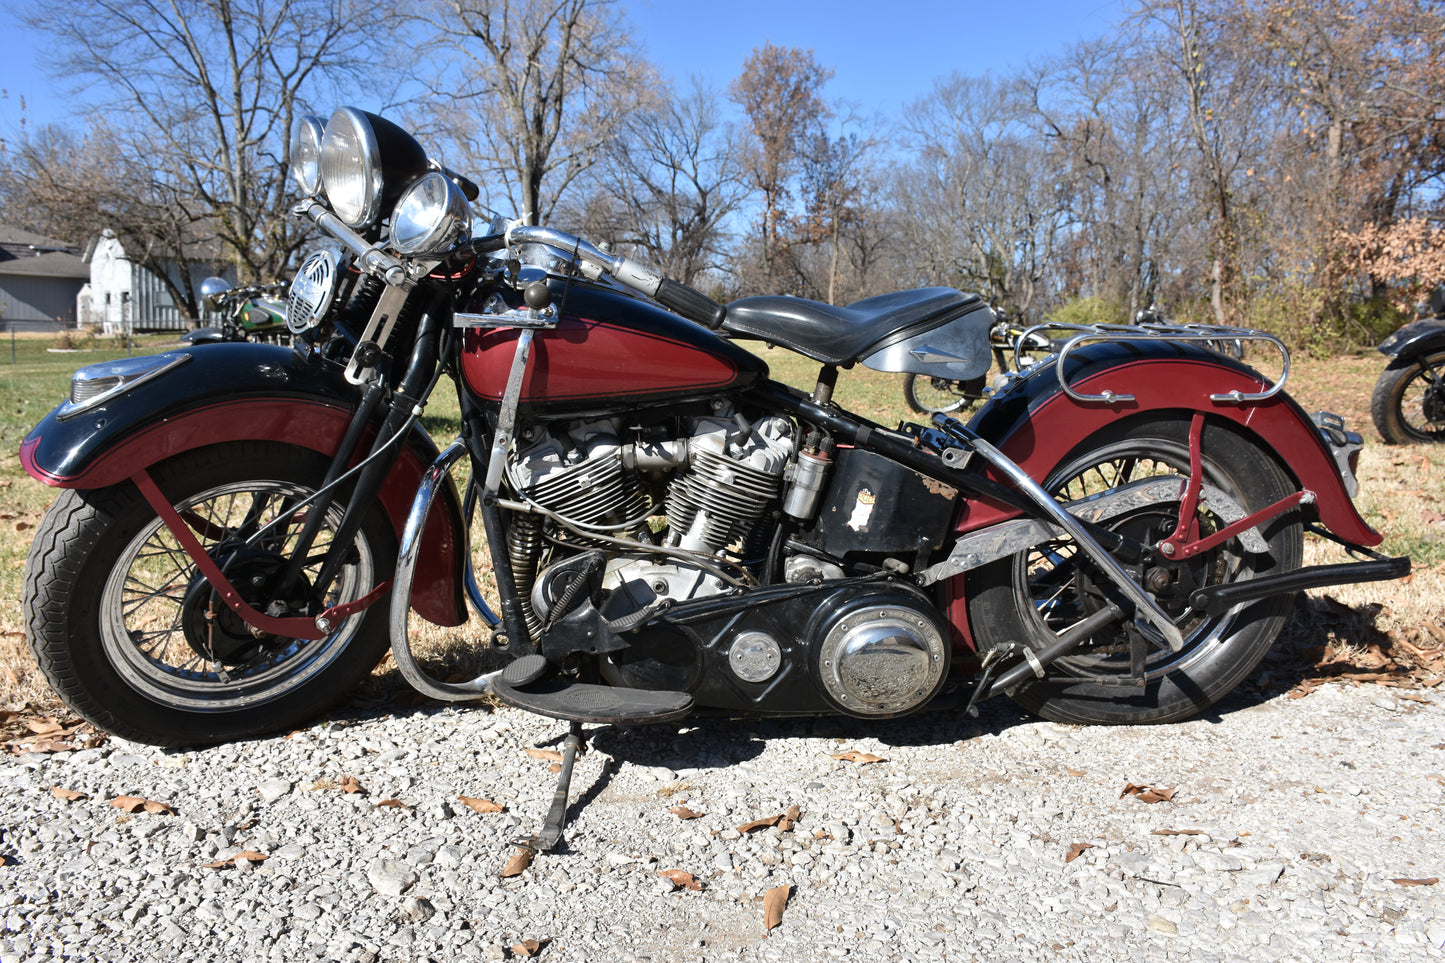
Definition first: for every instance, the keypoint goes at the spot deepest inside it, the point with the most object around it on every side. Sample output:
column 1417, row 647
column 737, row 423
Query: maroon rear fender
column 308, row 423
column 1036, row 425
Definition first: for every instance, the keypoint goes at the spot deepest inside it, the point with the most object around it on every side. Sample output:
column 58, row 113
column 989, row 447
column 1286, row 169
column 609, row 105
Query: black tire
column 115, row 613
column 1032, row 595
column 1408, row 404
column 928, row 396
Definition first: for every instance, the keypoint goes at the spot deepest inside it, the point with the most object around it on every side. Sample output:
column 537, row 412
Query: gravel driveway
column 1301, row 829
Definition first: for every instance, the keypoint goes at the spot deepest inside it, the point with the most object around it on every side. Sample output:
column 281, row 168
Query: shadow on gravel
column 1322, row 640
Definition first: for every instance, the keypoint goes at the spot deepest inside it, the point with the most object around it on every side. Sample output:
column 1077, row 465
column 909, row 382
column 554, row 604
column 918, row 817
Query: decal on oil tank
column 862, row 510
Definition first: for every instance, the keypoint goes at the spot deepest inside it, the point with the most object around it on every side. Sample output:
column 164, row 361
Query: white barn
column 123, row 296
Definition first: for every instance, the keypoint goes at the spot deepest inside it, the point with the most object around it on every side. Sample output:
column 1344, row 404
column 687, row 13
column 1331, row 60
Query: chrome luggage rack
column 1216, row 336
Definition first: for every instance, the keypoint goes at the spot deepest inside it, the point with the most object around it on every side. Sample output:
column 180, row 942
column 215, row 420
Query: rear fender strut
column 1185, row 542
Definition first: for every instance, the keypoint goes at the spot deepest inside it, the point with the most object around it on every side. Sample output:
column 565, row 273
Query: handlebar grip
column 486, row 244
column 690, row 303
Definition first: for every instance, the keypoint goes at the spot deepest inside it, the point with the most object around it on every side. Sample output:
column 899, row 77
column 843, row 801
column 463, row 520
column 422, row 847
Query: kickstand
column 551, row 834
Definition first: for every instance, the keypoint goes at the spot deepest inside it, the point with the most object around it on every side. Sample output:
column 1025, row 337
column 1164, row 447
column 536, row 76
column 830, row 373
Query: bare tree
column 1363, row 88
column 668, row 184
column 1223, row 89
column 1114, row 132
column 536, row 91
column 982, row 200
column 780, row 91
column 835, row 183
column 205, row 93
column 65, row 186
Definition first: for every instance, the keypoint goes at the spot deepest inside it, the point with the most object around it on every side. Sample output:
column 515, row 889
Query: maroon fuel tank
column 608, row 349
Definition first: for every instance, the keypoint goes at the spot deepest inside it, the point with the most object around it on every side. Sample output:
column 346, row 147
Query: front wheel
column 1408, row 404
column 1123, row 675
column 136, row 642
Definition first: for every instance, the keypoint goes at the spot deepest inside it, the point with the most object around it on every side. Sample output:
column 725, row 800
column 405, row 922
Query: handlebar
column 673, row 295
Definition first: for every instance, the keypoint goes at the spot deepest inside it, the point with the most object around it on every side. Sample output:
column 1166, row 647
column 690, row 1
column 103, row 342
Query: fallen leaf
column 481, row 805
column 555, row 767
column 1431, row 881
column 549, row 754
column 69, row 795
column 518, row 864
column 529, row 948
column 1147, row 794
column 1075, row 772
column 682, row 812
column 1177, row 832
column 392, row 804
column 250, row 856
column 682, row 879
column 43, row 726
column 790, row 818
column 774, row 902
column 853, row 755
column 135, row 804
column 350, row 784
column 46, row 746
column 1076, row 850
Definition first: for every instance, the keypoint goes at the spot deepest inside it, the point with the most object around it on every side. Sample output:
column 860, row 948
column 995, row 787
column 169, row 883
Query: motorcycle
column 1408, row 403
column 243, row 531
column 249, row 313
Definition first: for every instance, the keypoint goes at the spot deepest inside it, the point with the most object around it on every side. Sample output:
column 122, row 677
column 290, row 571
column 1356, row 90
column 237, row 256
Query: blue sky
column 883, row 54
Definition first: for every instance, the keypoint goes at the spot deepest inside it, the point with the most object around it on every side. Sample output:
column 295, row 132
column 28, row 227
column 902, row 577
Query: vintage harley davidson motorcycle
column 243, row 529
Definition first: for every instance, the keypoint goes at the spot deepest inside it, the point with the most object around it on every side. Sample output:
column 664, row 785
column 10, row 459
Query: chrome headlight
column 366, row 162
column 432, row 216
column 306, row 154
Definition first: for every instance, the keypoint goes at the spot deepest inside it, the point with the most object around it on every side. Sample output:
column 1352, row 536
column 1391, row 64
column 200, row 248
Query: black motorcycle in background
column 1408, row 405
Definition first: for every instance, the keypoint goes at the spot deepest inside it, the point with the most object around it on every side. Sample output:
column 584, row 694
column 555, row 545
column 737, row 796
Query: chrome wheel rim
column 143, row 603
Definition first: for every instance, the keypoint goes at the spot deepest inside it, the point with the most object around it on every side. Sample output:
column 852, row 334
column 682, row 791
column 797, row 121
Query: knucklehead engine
column 679, row 516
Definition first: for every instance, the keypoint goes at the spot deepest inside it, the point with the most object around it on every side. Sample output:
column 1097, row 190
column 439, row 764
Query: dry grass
column 1385, row 630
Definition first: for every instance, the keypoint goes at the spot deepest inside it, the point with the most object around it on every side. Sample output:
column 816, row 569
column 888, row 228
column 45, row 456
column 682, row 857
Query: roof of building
column 53, row 264
column 18, row 237
column 27, row 254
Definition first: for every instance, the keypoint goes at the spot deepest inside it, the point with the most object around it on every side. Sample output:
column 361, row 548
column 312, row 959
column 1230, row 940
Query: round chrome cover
column 755, row 656
column 882, row 660
column 311, row 291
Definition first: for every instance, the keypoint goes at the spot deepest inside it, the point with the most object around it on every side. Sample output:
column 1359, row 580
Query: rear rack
column 1222, row 338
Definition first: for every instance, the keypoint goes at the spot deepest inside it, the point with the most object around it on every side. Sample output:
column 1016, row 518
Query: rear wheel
column 1408, row 404
column 1123, row 675
column 134, row 640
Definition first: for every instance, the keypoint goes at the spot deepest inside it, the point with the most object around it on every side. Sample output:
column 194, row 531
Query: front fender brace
column 291, row 627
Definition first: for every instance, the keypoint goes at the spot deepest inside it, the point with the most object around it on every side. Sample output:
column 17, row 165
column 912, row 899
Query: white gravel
column 1303, row 816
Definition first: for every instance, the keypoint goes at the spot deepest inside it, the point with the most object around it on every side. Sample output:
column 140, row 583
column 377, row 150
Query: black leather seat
column 836, row 335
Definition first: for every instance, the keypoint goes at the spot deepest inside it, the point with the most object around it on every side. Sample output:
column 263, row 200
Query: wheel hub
column 218, row 634
column 1433, row 404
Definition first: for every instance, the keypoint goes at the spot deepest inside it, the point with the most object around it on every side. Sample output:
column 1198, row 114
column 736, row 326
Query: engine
column 714, row 480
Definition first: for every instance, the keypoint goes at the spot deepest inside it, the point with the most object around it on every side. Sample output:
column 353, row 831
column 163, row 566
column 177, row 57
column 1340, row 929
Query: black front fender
column 242, row 391
column 1405, row 346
